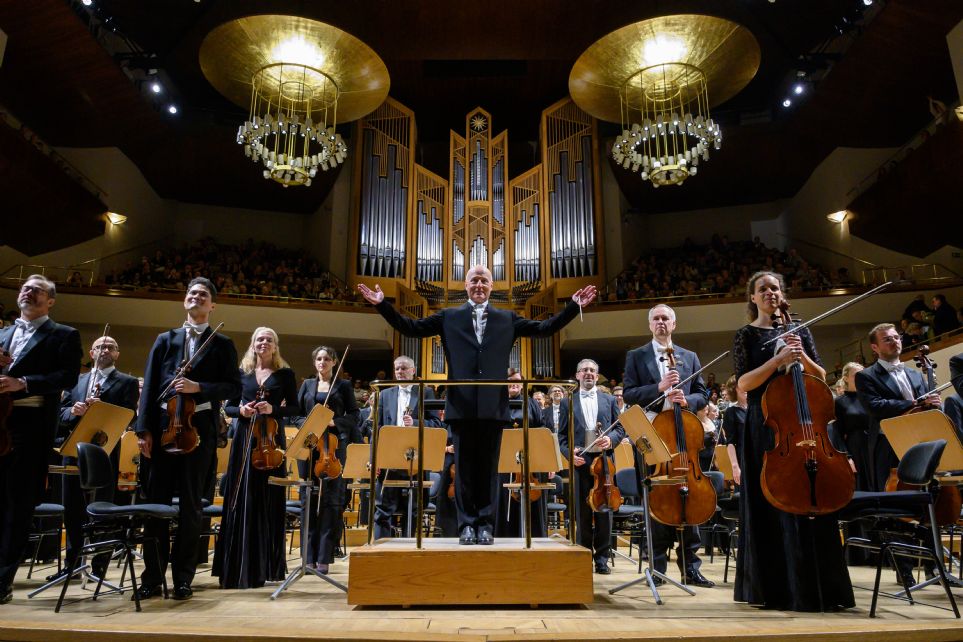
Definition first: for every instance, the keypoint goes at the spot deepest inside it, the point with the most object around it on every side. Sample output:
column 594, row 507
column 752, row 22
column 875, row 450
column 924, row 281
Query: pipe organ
column 539, row 233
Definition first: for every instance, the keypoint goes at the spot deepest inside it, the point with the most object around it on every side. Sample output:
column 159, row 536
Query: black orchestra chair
column 554, row 507
column 916, row 468
column 716, row 526
column 729, row 511
column 43, row 513
column 119, row 524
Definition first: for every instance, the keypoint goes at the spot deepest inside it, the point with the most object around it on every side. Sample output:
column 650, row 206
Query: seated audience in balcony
column 944, row 316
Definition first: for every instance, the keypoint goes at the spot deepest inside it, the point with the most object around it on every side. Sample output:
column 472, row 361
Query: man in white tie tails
column 477, row 338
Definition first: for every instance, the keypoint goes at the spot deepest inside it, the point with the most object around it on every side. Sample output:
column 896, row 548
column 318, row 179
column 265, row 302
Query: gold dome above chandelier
column 658, row 78
column 298, row 78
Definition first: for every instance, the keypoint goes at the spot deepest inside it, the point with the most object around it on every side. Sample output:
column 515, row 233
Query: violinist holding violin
column 785, row 561
column 326, row 530
column 251, row 548
column 647, row 377
column 103, row 383
column 39, row 359
column 212, row 378
column 594, row 412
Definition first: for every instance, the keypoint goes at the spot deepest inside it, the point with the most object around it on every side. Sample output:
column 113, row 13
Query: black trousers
column 186, row 477
column 665, row 537
column 446, row 514
column 388, row 501
column 476, row 446
column 23, row 472
column 593, row 529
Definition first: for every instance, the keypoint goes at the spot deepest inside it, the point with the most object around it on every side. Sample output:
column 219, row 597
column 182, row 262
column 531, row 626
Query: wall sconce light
column 838, row 217
column 116, row 219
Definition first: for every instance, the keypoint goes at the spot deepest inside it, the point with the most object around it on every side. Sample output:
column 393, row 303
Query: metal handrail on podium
column 568, row 385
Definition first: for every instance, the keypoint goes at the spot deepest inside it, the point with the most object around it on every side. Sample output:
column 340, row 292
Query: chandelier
column 296, row 78
column 654, row 78
column 666, row 126
column 291, row 126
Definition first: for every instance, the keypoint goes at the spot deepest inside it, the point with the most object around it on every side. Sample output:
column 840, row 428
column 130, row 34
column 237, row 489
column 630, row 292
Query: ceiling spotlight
column 786, row 103
column 87, row 3
column 867, row 2
column 172, row 109
column 116, row 219
column 155, row 87
column 798, row 88
column 838, row 217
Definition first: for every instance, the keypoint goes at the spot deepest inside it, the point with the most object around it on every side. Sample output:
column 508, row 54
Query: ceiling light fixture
column 787, row 102
column 172, row 109
column 116, row 219
column 155, row 87
column 838, row 217
column 799, row 88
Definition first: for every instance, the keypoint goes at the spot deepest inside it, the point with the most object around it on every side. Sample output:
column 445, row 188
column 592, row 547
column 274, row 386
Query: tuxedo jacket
column 608, row 412
column 50, row 362
column 468, row 359
column 118, row 388
column 642, row 376
column 548, row 416
column 534, row 412
column 388, row 408
column 215, row 369
column 880, row 395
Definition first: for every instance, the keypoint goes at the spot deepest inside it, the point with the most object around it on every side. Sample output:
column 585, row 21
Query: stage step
column 393, row 572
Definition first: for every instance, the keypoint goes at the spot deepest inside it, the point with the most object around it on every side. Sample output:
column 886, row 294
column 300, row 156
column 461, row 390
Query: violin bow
column 96, row 367
column 187, row 364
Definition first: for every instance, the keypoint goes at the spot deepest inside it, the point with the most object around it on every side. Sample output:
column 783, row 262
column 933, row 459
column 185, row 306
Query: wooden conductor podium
column 396, row 572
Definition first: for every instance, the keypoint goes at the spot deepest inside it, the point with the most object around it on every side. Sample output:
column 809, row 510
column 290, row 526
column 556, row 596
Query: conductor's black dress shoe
column 485, row 536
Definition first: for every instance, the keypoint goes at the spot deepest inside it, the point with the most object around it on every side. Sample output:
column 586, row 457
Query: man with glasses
column 619, row 399
column 39, row 359
column 594, row 412
column 550, row 414
column 103, row 383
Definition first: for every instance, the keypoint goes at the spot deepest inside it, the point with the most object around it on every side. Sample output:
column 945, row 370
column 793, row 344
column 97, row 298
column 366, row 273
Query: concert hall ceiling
column 512, row 58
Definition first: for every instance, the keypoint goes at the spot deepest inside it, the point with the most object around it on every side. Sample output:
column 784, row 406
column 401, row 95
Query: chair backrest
column 628, row 483
column 919, row 462
column 95, row 469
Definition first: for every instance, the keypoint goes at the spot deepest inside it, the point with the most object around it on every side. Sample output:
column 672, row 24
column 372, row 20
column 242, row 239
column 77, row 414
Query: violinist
column 550, row 413
column 508, row 522
column 326, row 530
column 398, row 406
column 594, row 412
column 647, row 377
column 212, row 378
column 39, row 359
column 103, row 383
column 785, row 561
column 250, row 550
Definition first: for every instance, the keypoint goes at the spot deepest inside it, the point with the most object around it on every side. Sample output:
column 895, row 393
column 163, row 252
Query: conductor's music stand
column 398, row 450
column 906, row 431
column 102, row 424
column 300, row 448
column 544, row 457
column 654, row 451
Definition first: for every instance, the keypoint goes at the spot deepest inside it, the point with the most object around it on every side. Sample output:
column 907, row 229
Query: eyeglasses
column 36, row 289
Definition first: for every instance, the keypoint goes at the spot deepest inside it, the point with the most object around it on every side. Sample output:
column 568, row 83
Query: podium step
column 394, row 572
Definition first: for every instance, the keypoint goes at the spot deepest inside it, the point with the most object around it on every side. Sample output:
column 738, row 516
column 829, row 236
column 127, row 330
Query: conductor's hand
column 145, row 442
column 583, row 297
column 669, row 379
column 374, row 297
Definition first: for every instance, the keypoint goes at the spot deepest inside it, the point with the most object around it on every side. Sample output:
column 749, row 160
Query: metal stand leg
column 303, row 568
column 83, row 571
column 650, row 573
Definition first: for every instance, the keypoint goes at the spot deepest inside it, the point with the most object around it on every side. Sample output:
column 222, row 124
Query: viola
column 266, row 454
column 803, row 474
column 604, row 493
column 328, row 466
column 692, row 499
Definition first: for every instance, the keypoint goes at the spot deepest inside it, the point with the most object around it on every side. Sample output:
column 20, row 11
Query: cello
column 690, row 499
column 803, row 474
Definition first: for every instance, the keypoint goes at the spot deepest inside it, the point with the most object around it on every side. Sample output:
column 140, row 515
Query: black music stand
column 654, row 451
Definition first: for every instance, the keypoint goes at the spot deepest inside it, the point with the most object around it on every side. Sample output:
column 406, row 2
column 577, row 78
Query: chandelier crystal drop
column 666, row 126
column 291, row 124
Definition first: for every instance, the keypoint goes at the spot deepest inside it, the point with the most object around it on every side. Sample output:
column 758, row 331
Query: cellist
column 647, row 377
column 594, row 412
column 213, row 378
column 785, row 561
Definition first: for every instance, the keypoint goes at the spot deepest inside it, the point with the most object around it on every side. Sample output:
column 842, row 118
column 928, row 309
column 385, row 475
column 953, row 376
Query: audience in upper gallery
column 921, row 324
column 721, row 268
column 251, row 268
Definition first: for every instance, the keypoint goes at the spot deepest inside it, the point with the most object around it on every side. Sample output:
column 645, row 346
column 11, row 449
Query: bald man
column 477, row 338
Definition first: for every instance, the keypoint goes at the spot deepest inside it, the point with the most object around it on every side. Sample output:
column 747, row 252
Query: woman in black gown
column 326, row 527
column 250, row 550
column 851, row 427
column 784, row 561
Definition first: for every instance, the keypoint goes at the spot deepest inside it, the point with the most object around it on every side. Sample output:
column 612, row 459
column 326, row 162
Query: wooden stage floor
column 312, row 609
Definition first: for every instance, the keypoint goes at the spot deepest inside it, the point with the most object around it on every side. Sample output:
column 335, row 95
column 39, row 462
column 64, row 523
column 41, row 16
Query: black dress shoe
column 603, row 569
column 467, row 536
column 61, row 573
column 695, row 578
column 658, row 581
column 145, row 592
column 183, row 592
column 6, row 594
column 485, row 536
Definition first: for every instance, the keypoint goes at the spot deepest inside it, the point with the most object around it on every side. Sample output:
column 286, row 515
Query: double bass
column 803, row 474
column 691, row 499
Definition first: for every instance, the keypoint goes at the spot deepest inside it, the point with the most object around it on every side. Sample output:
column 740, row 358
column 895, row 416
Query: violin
column 692, row 499
column 803, row 474
column 181, row 437
column 605, row 493
column 266, row 454
column 328, row 466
